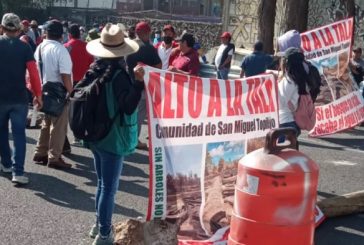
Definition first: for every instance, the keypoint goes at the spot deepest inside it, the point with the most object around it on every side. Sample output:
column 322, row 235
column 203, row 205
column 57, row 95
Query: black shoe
column 42, row 160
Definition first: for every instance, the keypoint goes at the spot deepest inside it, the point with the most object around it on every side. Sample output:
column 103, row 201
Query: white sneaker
column 108, row 240
column 5, row 170
column 22, row 180
column 94, row 231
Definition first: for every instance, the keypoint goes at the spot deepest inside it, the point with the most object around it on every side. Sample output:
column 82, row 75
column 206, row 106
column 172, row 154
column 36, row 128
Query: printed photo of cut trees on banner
column 200, row 128
column 340, row 104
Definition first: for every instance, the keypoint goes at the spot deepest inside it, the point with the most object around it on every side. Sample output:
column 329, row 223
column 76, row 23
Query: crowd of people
column 57, row 56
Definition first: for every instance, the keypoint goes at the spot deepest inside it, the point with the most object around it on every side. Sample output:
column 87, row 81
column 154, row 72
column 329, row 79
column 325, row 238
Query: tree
column 295, row 15
column 266, row 17
column 351, row 13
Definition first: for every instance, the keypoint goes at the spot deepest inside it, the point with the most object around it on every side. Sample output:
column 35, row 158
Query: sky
column 229, row 151
column 186, row 158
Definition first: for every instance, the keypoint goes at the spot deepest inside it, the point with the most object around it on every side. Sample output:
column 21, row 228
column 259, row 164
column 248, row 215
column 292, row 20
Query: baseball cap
column 142, row 27
column 168, row 28
column 289, row 39
column 188, row 38
column 55, row 27
column 11, row 22
column 25, row 23
column 293, row 54
column 226, row 35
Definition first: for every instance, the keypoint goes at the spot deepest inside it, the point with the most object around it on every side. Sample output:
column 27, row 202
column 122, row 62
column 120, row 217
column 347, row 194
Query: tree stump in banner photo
column 134, row 232
column 343, row 205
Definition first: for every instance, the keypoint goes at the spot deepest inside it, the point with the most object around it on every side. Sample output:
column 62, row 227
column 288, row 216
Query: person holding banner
column 121, row 140
column 147, row 55
column 187, row 62
column 294, row 83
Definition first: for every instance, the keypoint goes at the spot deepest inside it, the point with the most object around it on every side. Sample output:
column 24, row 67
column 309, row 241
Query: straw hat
column 112, row 43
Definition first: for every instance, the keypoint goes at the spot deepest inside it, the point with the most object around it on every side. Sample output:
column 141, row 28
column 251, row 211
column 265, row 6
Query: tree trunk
column 350, row 7
column 295, row 15
column 266, row 17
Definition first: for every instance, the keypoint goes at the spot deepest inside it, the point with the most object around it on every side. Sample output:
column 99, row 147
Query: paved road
column 57, row 207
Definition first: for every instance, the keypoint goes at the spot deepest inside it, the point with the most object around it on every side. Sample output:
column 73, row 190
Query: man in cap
column 187, row 61
column 15, row 58
column 148, row 55
column 255, row 63
column 27, row 31
column 224, row 56
column 26, row 35
column 165, row 47
column 36, row 32
column 56, row 67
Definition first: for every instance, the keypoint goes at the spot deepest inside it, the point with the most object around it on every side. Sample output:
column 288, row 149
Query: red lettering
column 214, row 108
column 342, row 32
column 350, row 29
column 306, row 45
column 230, row 110
column 195, row 97
column 250, row 83
column 336, row 32
column 238, row 107
column 154, row 89
column 269, row 88
column 168, row 112
column 330, row 38
column 258, row 107
column 323, row 38
column 180, row 80
column 316, row 41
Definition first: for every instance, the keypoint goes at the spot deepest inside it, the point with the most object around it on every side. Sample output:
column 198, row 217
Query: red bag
column 305, row 114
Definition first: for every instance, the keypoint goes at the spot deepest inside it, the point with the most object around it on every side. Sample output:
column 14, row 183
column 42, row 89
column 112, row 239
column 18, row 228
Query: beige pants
column 52, row 136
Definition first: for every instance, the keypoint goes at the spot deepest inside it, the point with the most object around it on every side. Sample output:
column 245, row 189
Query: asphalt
column 57, row 207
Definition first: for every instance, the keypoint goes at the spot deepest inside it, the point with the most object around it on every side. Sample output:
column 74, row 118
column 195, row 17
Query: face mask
column 167, row 40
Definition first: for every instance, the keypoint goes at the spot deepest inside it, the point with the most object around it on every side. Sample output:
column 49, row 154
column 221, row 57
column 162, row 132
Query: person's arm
column 174, row 69
column 242, row 66
column 65, row 68
column 128, row 92
column 155, row 60
column 67, row 82
column 227, row 61
column 35, row 83
column 242, row 73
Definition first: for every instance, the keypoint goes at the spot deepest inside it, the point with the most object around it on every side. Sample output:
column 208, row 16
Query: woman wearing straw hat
column 109, row 152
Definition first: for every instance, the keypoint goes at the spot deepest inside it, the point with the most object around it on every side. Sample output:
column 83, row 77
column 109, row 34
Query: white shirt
column 56, row 60
column 164, row 55
column 219, row 53
column 288, row 92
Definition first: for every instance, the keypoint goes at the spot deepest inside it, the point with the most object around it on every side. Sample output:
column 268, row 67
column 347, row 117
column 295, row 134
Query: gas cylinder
column 275, row 195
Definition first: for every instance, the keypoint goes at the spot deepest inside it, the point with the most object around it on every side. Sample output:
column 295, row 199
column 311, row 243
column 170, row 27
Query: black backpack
column 88, row 114
column 314, row 81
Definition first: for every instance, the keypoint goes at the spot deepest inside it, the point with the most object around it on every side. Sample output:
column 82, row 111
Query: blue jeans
column 108, row 168
column 17, row 115
column 223, row 73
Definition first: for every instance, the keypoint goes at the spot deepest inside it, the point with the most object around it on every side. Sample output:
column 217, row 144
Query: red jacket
column 81, row 59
